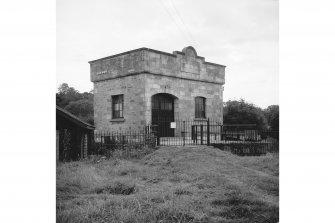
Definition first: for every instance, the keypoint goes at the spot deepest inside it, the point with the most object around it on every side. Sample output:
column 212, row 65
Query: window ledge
column 118, row 120
column 200, row 119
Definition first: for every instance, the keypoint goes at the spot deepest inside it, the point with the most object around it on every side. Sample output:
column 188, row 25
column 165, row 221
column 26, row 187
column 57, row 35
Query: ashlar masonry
column 134, row 88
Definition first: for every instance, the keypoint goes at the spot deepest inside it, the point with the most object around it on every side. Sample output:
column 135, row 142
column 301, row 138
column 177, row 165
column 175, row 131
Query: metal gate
column 202, row 132
column 211, row 132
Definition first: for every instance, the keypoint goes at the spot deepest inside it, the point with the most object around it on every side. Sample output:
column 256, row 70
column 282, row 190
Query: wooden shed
column 74, row 137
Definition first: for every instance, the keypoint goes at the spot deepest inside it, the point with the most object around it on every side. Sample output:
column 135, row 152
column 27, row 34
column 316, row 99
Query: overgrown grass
column 172, row 184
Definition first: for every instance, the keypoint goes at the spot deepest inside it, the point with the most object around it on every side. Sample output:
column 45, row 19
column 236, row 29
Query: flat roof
column 152, row 50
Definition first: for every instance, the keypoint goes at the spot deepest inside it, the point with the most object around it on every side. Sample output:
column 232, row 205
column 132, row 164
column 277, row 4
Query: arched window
column 200, row 107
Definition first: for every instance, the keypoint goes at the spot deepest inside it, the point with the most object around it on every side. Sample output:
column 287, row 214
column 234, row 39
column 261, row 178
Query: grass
column 172, row 184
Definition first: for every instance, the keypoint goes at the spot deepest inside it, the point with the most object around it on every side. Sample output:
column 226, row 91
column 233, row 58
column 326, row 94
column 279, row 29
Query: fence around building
column 244, row 139
column 107, row 143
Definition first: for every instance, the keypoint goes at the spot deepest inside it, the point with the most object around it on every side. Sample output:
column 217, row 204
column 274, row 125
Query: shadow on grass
column 238, row 207
column 117, row 188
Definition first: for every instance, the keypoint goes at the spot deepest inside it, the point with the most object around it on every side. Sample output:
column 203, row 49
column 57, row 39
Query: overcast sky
column 241, row 34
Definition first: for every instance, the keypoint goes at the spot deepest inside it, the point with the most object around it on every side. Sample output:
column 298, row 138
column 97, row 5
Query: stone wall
column 138, row 91
column 117, row 66
column 186, row 65
column 132, row 88
column 185, row 92
column 142, row 73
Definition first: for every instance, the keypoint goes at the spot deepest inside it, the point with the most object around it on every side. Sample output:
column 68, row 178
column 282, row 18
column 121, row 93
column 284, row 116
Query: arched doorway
column 163, row 113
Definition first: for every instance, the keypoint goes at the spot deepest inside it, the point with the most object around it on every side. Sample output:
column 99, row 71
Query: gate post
column 208, row 133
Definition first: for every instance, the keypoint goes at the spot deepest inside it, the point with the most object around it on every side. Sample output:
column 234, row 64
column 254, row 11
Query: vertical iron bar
column 201, row 134
column 100, row 143
column 208, row 133
column 196, row 134
column 184, row 133
column 158, row 134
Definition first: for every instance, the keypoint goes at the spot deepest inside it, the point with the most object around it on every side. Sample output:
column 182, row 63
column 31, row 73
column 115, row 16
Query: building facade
column 144, row 85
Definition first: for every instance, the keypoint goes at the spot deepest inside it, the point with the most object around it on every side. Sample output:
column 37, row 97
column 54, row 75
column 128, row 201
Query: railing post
column 184, row 133
column 208, row 133
column 196, row 134
column 156, row 132
column 201, row 133
column 101, row 137
column 158, row 139
column 221, row 132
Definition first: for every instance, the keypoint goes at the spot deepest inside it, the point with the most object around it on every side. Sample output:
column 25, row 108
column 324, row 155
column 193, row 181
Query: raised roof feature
column 185, row 64
column 190, row 51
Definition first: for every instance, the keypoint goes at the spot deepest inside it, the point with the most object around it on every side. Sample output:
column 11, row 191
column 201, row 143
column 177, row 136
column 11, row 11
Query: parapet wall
column 186, row 65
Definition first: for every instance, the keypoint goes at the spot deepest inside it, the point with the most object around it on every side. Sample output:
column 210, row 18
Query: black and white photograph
column 167, row 111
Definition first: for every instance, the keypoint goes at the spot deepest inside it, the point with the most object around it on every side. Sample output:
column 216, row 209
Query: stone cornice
column 174, row 54
column 133, row 51
column 159, row 74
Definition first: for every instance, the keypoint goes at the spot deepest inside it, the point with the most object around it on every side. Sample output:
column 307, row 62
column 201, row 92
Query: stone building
column 144, row 85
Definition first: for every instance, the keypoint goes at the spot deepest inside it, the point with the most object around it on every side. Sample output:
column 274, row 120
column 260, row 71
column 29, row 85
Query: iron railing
column 242, row 139
column 107, row 142
column 212, row 132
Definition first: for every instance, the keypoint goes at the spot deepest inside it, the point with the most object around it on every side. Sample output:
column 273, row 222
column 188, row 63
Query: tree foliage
column 272, row 115
column 79, row 104
column 241, row 112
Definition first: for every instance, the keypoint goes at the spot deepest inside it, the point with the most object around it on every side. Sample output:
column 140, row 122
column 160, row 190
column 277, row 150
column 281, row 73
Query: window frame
column 117, row 100
column 200, row 107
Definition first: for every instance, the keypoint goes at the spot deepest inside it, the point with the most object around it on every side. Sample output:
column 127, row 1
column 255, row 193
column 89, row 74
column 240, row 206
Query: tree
column 79, row 104
column 272, row 116
column 241, row 112
column 82, row 108
column 66, row 94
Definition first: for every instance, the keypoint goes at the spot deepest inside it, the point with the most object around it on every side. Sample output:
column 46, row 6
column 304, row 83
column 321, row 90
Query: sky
column 240, row 34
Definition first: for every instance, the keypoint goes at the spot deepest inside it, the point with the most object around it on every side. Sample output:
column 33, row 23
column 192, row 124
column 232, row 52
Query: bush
column 115, row 147
column 241, row 112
